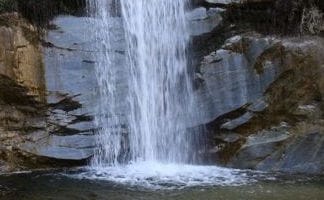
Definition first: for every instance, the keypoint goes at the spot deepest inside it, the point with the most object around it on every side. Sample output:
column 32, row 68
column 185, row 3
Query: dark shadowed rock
column 234, row 123
column 258, row 147
column 304, row 154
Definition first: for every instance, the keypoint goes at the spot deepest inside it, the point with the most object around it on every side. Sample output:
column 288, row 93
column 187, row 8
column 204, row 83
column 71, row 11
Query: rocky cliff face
column 261, row 95
column 276, row 128
column 22, row 88
column 42, row 121
column 257, row 68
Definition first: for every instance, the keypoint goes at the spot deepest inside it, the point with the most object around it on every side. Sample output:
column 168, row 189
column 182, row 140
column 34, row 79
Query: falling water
column 157, row 37
column 110, row 116
column 158, row 85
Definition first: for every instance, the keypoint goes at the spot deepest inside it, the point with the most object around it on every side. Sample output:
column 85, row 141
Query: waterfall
column 109, row 116
column 157, row 37
column 147, row 102
column 158, row 85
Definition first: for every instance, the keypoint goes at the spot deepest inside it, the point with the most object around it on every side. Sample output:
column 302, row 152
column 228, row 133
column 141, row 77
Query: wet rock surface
column 278, row 129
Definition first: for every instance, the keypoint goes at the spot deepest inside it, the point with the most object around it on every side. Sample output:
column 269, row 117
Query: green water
column 58, row 186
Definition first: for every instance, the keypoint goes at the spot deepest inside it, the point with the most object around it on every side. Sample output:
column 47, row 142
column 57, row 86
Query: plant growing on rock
column 312, row 21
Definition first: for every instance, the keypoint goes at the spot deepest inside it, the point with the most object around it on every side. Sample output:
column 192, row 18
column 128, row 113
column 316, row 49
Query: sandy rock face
column 21, row 57
column 22, row 84
column 34, row 126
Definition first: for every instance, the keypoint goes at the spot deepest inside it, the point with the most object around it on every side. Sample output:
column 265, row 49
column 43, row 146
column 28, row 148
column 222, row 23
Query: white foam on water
column 155, row 175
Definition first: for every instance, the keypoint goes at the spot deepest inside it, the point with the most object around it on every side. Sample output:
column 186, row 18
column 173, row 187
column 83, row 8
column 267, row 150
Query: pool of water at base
column 82, row 184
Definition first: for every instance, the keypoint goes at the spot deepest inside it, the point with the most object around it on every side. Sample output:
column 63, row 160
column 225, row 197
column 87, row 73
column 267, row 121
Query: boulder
column 258, row 147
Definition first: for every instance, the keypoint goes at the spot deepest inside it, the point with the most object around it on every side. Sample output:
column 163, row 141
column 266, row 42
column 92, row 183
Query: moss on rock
column 8, row 6
column 39, row 12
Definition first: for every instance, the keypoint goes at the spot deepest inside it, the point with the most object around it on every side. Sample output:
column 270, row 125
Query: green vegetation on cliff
column 39, row 12
column 7, row 6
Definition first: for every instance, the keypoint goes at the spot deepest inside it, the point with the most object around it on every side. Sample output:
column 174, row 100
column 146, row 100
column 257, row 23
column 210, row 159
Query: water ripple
column 154, row 175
